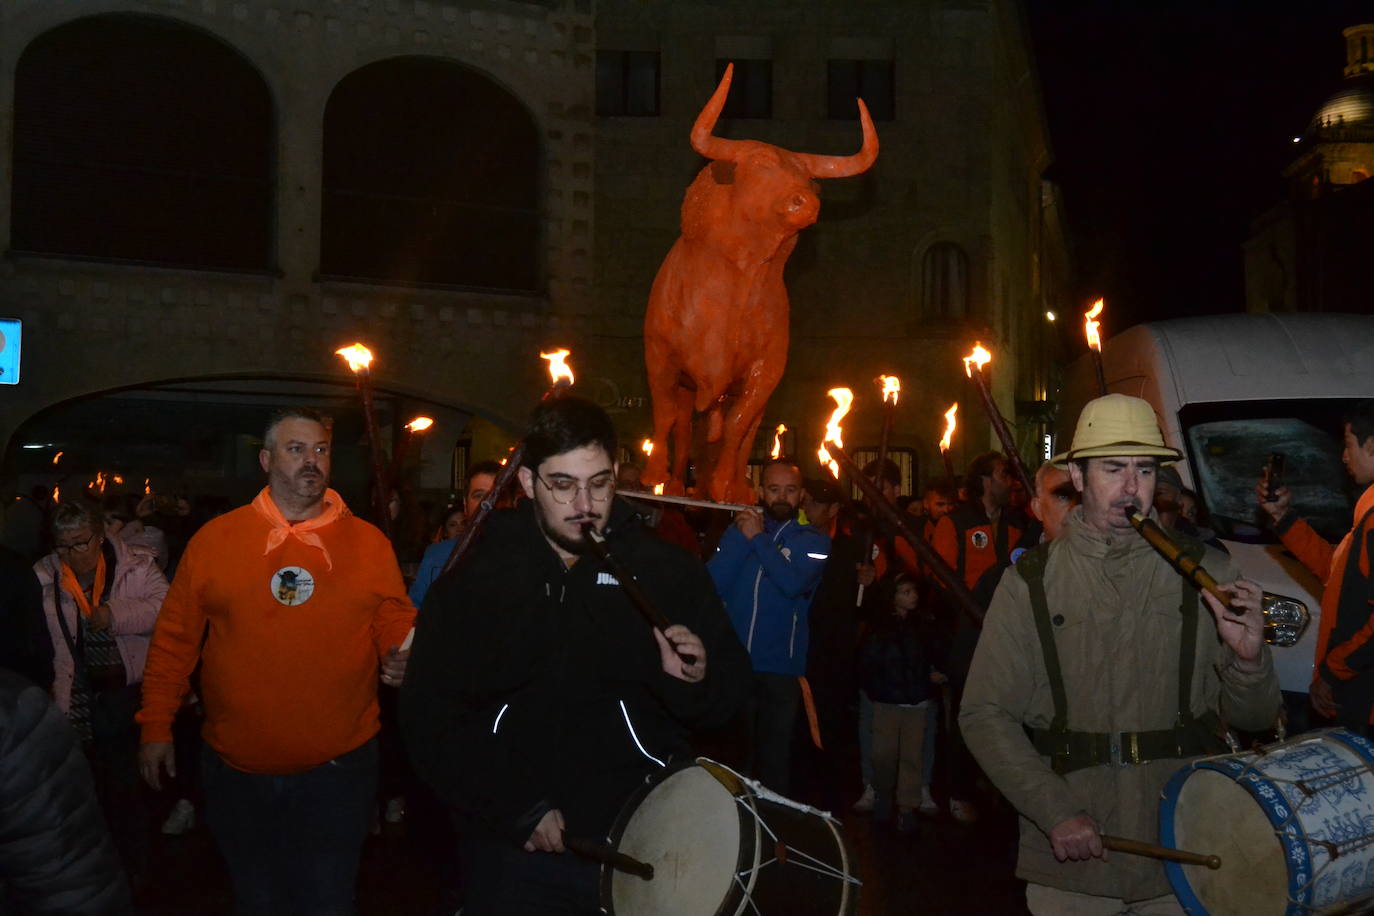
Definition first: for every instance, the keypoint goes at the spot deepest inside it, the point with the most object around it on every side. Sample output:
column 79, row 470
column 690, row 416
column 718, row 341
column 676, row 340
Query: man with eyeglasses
column 293, row 606
column 538, row 697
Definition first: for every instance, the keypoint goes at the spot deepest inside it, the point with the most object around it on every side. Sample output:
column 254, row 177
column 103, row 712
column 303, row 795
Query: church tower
column 1337, row 149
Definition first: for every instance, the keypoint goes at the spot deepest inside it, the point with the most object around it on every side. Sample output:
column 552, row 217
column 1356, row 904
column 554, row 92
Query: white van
column 1230, row 390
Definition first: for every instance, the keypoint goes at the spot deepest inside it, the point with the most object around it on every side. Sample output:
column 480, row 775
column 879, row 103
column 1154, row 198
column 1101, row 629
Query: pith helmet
column 1117, row 426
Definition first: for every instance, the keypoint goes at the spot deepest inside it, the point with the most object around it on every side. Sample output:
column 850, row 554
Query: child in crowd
column 897, row 666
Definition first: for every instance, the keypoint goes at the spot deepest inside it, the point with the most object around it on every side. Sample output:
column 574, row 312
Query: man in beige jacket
column 1089, row 643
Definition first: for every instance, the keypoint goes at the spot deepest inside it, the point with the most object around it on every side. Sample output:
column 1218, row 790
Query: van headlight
column 1285, row 619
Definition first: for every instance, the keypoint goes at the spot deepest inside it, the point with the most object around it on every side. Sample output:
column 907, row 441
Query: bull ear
column 722, row 172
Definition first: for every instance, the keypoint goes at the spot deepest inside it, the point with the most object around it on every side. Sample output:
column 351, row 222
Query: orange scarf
column 72, row 586
column 334, row 509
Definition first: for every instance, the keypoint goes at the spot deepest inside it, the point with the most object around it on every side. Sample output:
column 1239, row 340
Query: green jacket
column 1115, row 606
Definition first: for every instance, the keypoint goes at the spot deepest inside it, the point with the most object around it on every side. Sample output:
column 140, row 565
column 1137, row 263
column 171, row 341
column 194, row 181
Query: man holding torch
column 1099, row 673
column 538, row 696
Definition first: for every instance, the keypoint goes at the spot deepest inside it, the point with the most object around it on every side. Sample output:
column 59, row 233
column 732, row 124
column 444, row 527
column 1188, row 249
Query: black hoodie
column 533, row 686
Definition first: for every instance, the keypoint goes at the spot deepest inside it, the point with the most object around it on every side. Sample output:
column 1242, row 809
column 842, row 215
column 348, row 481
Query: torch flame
column 892, row 386
column 420, row 424
column 147, row 490
column 56, row 494
column 647, row 446
column 658, row 489
column 118, row 479
column 1090, row 325
column 58, row 457
column 950, row 423
column 357, row 356
column 979, row 357
column 558, row 366
column 777, row 441
column 843, row 397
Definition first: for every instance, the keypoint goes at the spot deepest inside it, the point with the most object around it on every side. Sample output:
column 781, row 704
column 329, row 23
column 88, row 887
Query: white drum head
column 688, row 829
column 1217, row 816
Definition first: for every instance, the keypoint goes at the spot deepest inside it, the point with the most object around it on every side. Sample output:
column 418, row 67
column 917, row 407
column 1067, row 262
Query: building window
column 627, row 83
column 944, row 281
column 751, row 90
column 870, row 80
column 140, row 139
column 431, row 176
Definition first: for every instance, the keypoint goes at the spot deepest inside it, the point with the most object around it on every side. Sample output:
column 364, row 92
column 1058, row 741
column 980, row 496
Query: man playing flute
column 1096, row 646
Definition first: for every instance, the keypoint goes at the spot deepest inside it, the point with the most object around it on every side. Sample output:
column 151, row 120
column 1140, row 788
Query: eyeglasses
column 78, row 548
column 564, row 489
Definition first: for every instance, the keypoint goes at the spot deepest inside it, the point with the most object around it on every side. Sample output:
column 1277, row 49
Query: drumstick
column 607, row 855
column 657, row 619
column 1164, row 853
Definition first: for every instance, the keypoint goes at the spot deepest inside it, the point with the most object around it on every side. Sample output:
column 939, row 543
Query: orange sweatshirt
column 292, row 655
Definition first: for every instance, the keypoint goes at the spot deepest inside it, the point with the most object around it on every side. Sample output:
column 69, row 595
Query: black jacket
column 55, row 853
column 896, row 659
column 25, row 646
column 531, row 686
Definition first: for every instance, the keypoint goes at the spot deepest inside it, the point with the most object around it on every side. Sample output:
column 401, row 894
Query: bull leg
column 665, row 391
column 730, row 482
column 682, row 441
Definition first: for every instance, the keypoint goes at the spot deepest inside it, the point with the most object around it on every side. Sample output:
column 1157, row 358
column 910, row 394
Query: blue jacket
column 431, row 564
column 767, row 584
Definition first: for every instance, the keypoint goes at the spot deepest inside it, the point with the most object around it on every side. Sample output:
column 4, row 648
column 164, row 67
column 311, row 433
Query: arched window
column 142, row 139
column 431, row 176
column 944, row 281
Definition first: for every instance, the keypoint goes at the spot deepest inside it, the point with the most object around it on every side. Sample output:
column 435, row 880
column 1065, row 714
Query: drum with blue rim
column 1292, row 822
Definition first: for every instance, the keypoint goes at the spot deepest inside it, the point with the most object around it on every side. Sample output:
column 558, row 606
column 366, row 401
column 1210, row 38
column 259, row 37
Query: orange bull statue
column 716, row 330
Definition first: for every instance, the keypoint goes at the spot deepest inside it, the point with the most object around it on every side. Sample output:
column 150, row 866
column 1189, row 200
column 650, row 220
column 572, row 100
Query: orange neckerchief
column 71, row 586
column 334, row 509
column 1337, row 572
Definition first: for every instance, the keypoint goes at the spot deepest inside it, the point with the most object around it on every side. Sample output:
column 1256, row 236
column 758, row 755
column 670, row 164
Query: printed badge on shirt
column 292, row 585
column 979, row 539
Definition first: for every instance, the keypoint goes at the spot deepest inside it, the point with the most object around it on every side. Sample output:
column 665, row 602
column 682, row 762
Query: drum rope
column 819, row 866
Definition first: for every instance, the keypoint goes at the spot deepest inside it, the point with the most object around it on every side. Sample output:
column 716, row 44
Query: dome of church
column 1351, row 106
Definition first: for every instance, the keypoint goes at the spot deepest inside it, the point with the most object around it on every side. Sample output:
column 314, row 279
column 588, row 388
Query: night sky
column 1171, row 123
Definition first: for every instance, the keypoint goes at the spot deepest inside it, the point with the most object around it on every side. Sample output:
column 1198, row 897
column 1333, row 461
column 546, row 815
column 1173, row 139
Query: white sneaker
column 182, row 818
column 866, row 801
column 395, row 810
column 928, row 804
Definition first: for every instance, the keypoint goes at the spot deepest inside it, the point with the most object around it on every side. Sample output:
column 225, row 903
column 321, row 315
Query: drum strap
column 1071, row 749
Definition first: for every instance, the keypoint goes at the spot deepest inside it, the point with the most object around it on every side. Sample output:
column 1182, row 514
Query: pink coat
column 135, row 597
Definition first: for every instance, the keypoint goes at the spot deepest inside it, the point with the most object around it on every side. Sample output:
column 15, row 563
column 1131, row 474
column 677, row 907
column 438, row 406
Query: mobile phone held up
column 1273, row 476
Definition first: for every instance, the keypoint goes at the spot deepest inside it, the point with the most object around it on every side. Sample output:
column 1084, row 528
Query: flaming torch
column 58, row 457
column 973, row 366
column 948, row 439
column 1090, row 326
column 777, row 441
column 842, row 397
column 892, row 388
column 414, row 428
column 359, row 359
column 647, row 447
column 899, row 520
column 560, row 380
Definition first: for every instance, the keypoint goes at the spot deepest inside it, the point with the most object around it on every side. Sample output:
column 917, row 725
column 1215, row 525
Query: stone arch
column 433, row 175
column 115, row 109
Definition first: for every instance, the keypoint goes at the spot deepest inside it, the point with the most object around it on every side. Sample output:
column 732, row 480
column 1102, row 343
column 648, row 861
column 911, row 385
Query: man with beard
column 766, row 570
column 538, row 697
column 294, row 606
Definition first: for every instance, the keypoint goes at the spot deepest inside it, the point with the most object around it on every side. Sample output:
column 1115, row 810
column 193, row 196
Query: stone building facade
column 1310, row 252
column 953, row 236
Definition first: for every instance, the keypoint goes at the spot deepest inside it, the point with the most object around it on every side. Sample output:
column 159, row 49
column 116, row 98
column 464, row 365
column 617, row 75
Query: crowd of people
column 270, row 670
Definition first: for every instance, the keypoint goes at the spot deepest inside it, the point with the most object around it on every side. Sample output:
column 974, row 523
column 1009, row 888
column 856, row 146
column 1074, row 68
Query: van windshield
column 1228, row 445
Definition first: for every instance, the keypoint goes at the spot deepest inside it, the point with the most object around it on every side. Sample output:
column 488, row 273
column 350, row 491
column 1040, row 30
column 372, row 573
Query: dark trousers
column 292, row 842
column 772, row 715
column 123, row 799
column 501, row 879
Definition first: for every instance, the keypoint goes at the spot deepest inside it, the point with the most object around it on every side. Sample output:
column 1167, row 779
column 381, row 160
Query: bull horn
column 844, row 166
column 702, row 141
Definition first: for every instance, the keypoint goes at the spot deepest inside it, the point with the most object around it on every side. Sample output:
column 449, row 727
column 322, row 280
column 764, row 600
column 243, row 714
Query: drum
column 723, row 844
column 1293, row 824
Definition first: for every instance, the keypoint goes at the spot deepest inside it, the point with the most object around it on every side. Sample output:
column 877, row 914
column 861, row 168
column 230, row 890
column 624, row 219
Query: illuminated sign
column 11, row 332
